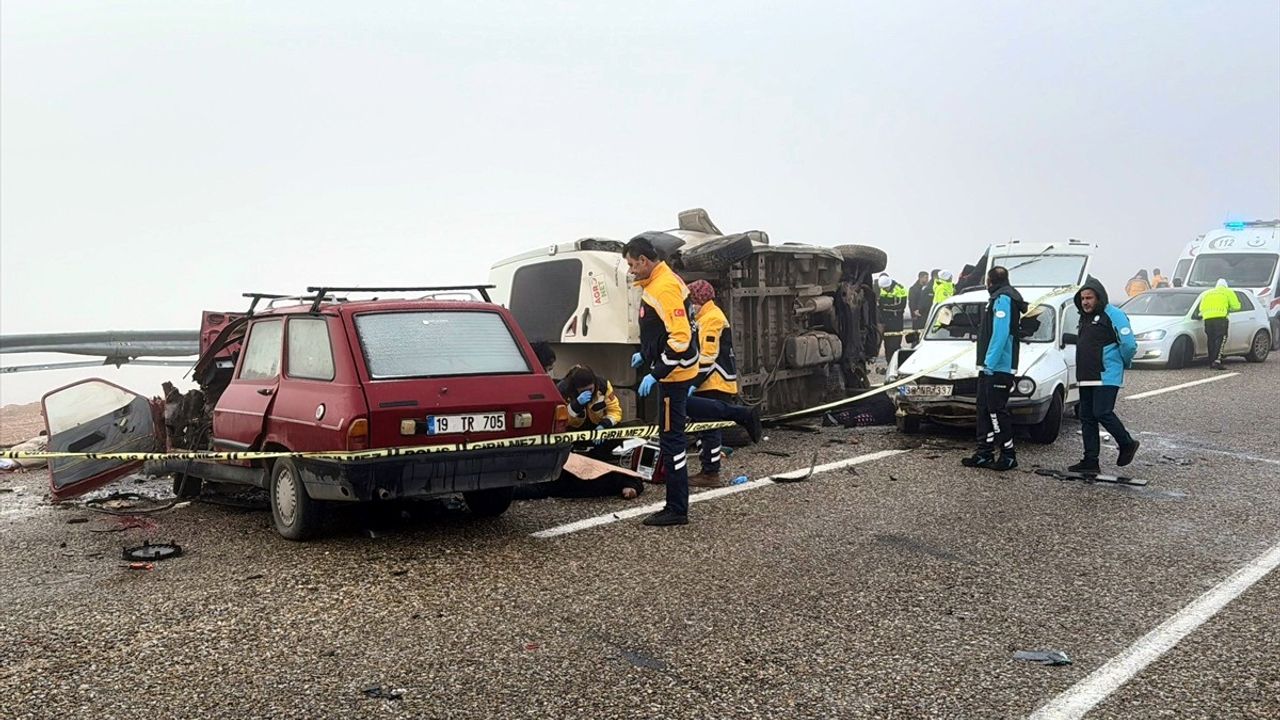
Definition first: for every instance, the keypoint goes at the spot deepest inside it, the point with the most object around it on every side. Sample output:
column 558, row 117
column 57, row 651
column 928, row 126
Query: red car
column 317, row 374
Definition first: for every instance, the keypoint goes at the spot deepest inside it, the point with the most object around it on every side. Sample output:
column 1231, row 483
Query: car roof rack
column 274, row 299
column 322, row 292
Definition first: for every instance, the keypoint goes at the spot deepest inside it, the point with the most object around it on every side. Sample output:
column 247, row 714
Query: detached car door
column 95, row 416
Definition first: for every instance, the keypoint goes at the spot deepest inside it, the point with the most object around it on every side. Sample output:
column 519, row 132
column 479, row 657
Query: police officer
column 717, row 385
column 1215, row 305
column 893, row 303
column 997, row 360
column 669, row 356
column 943, row 288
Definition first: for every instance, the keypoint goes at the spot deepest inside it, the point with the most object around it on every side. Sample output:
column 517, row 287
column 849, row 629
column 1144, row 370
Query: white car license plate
column 927, row 390
column 474, row 422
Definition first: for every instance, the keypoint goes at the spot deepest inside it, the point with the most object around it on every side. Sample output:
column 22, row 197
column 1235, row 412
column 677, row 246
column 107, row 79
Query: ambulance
column 1246, row 255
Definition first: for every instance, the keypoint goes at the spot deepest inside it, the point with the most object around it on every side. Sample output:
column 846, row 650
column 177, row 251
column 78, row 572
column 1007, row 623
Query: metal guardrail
column 115, row 347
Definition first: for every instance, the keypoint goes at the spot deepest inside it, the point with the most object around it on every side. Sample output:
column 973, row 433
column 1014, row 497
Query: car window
column 1043, row 270
column 1180, row 272
column 438, row 344
column 310, row 352
column 262, row 351
column 1238, row 269
column 1246, row 303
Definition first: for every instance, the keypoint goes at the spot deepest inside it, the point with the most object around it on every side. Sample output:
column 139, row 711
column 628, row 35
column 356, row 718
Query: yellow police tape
column 567, row 438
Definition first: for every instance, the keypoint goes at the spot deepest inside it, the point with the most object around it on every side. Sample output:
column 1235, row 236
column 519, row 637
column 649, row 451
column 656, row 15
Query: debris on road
column 775, row 453
column 145, row 566
column 1052, row 658
column 148, row 552
column 77, row 520
column 378, row 693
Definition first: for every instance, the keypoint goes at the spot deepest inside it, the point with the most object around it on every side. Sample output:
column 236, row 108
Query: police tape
column 547, row 439
column 550, row 439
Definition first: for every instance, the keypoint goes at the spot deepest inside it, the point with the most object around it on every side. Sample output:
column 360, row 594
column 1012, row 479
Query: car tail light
column 561, row 420
column 358, row 434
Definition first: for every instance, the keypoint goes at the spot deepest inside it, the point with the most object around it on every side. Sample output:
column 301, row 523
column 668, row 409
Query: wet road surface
column 897, row 587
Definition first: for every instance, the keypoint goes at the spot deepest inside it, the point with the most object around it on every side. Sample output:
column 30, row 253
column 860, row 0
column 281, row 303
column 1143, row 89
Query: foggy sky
column 160, row 158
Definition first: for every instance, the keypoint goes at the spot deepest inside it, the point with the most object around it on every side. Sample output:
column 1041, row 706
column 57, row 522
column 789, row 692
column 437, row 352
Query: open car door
column 95, row 416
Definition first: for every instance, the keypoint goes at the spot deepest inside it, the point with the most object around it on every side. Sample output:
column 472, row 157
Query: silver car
column 1170, row 331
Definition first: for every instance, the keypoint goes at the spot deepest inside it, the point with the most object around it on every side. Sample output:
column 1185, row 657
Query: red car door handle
column 266, row 391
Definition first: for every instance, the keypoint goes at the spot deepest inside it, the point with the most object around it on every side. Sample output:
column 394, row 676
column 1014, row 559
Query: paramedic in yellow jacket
column 592, row 402
column 716, row 389
column 669, row 357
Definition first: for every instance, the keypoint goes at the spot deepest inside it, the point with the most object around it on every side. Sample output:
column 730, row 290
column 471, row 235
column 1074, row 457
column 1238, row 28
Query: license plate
column 927, row 390
column 474, row 422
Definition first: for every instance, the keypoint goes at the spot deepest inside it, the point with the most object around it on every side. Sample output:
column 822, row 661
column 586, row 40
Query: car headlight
column 1150, row 335
column 1025, row 387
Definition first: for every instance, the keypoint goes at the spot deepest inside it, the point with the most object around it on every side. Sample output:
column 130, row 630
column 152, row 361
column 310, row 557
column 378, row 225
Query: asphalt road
column 899, row 587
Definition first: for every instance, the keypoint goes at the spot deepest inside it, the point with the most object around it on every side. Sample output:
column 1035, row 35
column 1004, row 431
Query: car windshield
column 960, row 321
column 1241, row 270
column 1160, row 304
column 1043, row 270
column 438, row 344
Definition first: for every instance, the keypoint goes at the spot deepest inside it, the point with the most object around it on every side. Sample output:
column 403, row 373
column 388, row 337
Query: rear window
column 438, row 344
column 544, row 296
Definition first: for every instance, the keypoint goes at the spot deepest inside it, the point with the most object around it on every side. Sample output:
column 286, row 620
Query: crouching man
column 1105, row 346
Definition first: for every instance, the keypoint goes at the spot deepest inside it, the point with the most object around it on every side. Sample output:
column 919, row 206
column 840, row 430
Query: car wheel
column 872, row 259
column 489, row 503
column 717, row 255
column 908, row 424
column 1046, row 431
column 1180, row 354
column 186, row 486
column 295, row 515
column 1261, row 347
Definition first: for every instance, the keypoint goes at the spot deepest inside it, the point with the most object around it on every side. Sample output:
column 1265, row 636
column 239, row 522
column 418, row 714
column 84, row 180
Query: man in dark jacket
column 997, row 362
column 920, row 300
column 1105, row 346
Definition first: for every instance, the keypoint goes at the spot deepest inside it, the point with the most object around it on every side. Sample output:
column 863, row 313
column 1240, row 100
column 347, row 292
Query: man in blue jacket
column 1105, row 346
column 997, row 361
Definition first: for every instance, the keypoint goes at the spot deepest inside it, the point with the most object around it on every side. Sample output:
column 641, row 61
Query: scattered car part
column 1052, row 658
column 146, row 552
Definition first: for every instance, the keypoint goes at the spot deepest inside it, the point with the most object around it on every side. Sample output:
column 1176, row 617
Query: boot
column 753, row 426
column 706, row 479
column 665, row 517
column 1127, row 452
column 1007, row 461
column 978, row 460
column 1085, row 467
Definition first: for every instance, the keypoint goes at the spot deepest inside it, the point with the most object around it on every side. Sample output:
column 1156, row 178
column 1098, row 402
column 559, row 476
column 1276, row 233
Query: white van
column 1247, row 256
column 1047, row 275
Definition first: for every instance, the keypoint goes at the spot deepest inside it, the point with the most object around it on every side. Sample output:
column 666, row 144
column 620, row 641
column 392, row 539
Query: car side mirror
column 1069, row 338
column 912, row 338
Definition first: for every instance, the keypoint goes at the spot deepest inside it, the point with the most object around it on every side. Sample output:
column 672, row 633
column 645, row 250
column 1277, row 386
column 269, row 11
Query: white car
column 1045, row 383
column 1170, row 331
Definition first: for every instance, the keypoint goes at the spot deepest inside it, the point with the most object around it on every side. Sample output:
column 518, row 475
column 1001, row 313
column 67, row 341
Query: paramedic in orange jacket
column 669, row 357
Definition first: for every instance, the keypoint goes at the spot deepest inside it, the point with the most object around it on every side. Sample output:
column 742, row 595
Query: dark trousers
column 672, row 408
column 995, row 424
column 1098, row 407
column 891, row 345
column 711, row 406
column 1216, row 329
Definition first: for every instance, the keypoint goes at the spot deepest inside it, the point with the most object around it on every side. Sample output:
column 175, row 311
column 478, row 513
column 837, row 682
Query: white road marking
column 1171, row 388
column 707, row 495
column 1086, row 694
